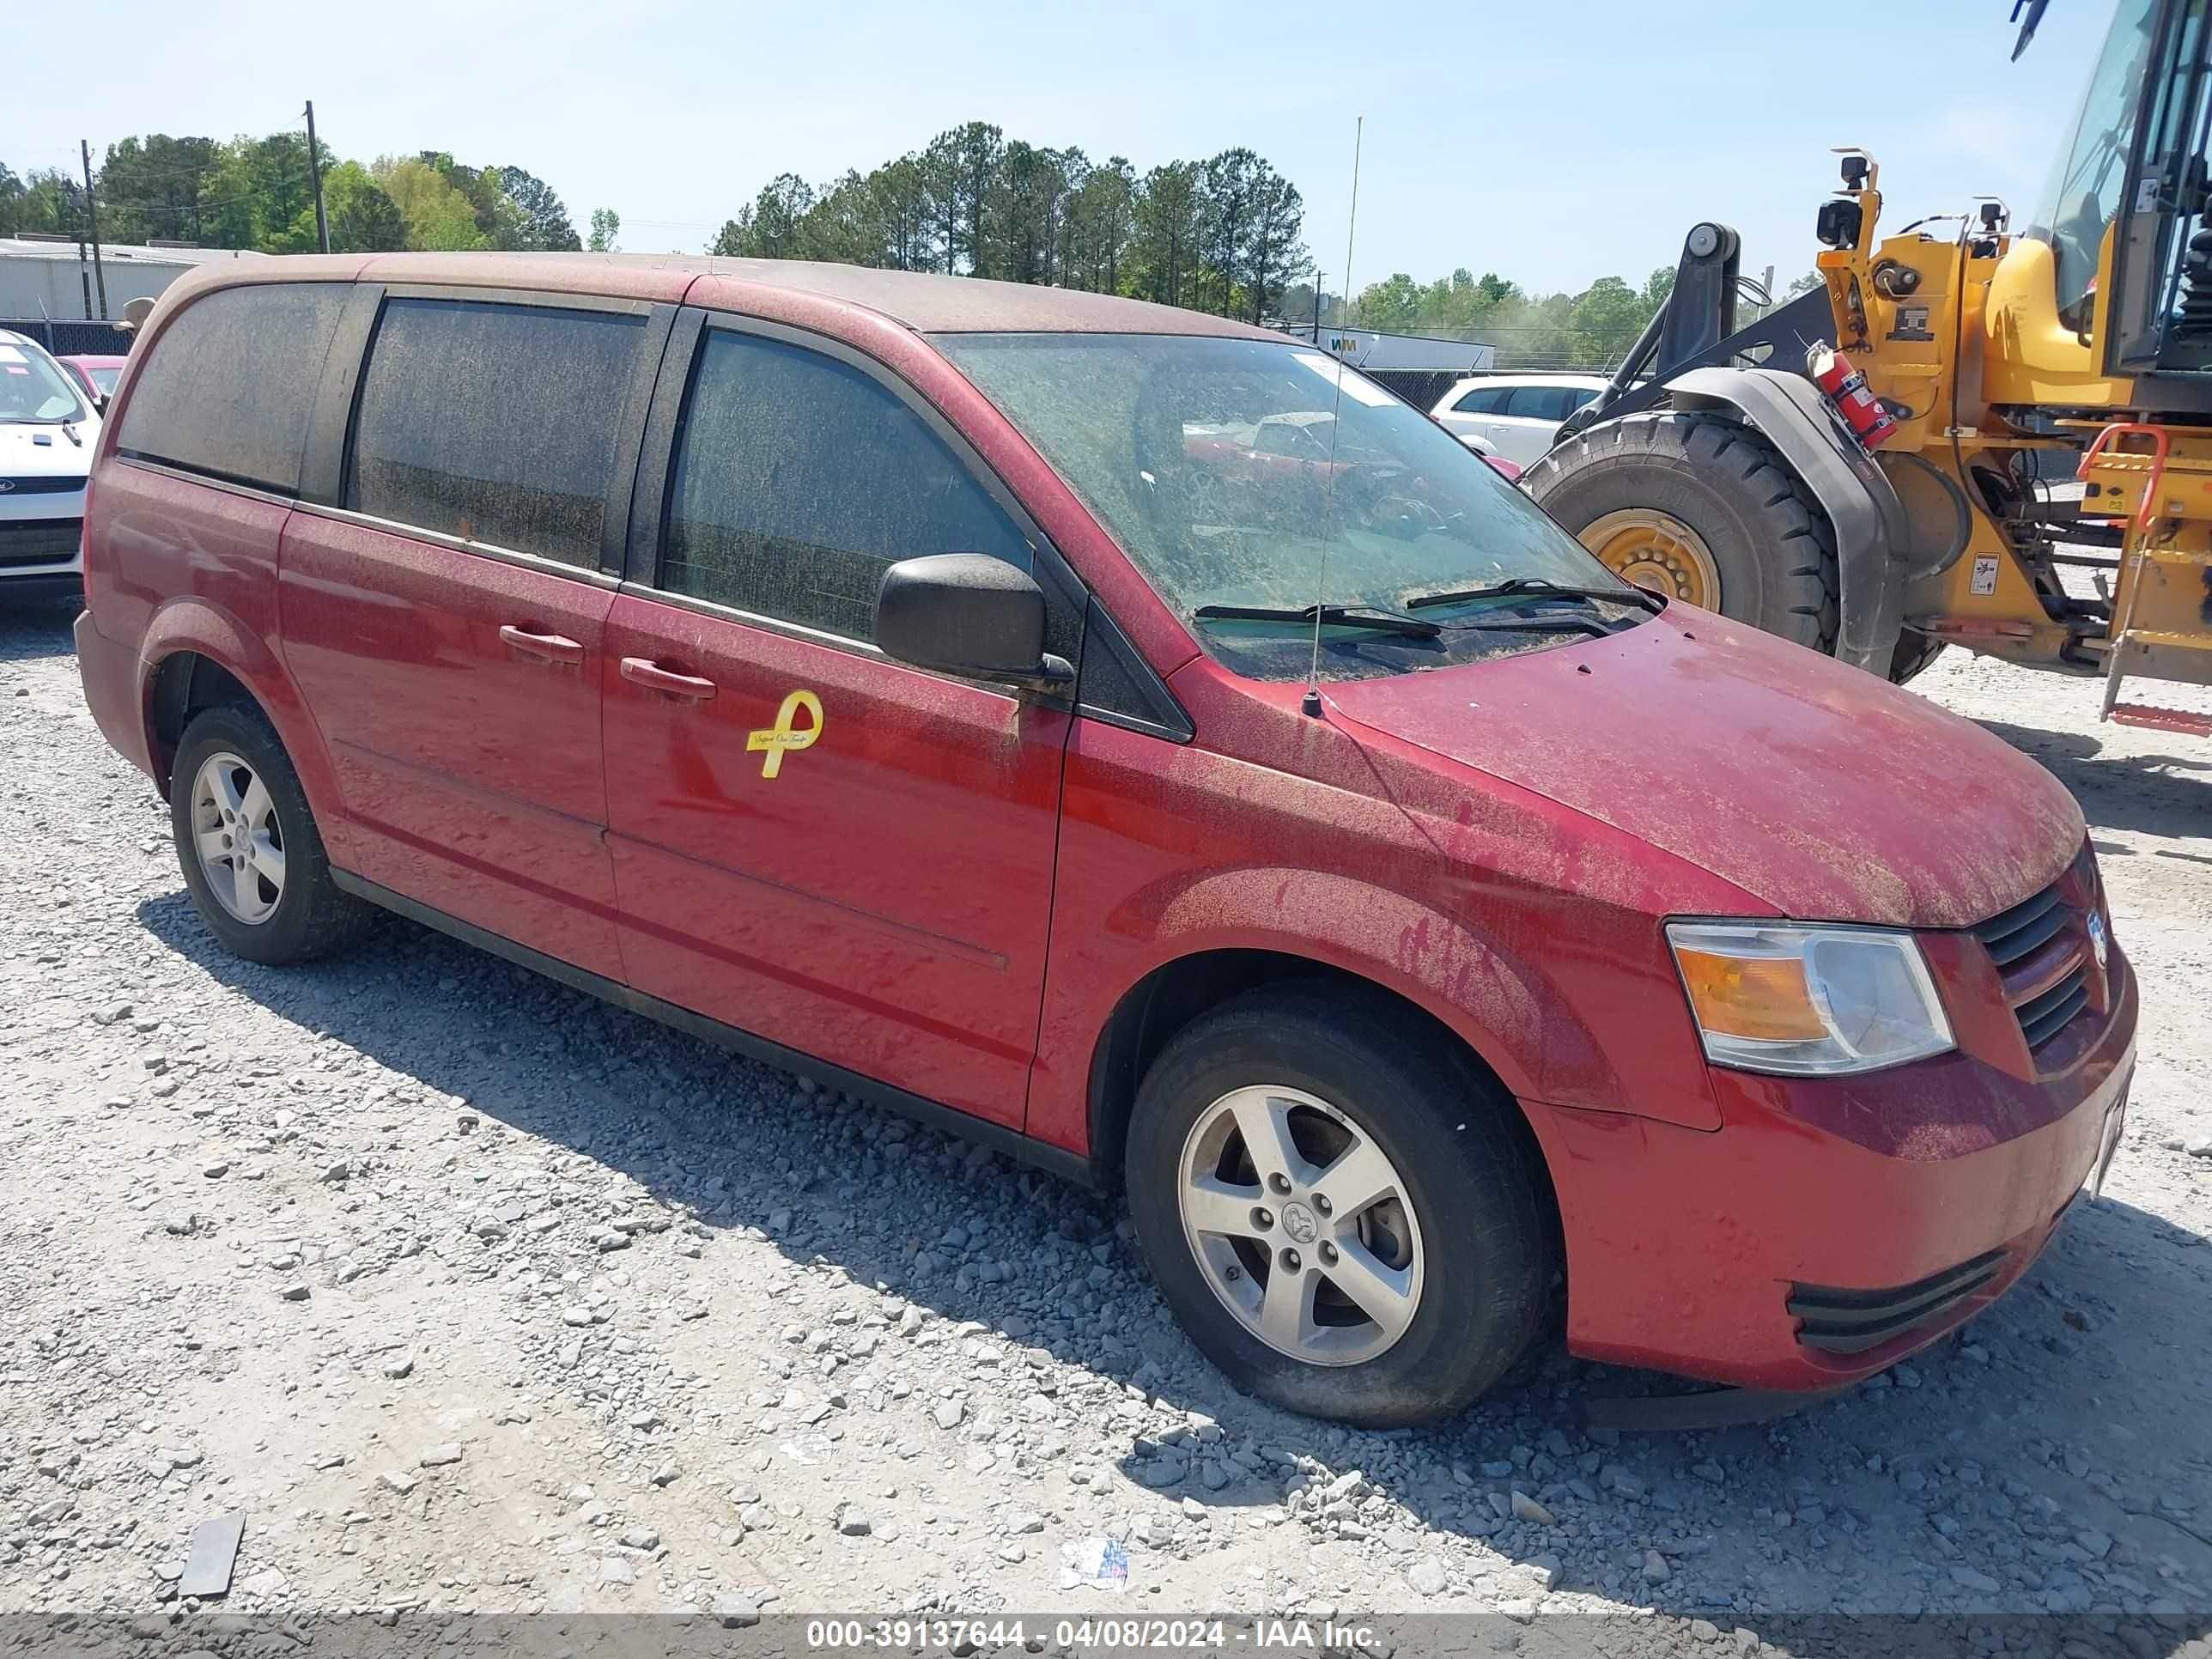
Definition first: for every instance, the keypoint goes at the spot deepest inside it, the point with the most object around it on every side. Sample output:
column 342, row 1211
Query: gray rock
column 399, row 1480
column 1427, row 1577
column 641, row 1538
column 1968, row 1578
column 437, row 1456
column 1656, row 1570
column 854, row 1522
column 948, row 1413
column 735, row 1612
column 1526, row 1508
column 295, row 1293
column 399, row 1364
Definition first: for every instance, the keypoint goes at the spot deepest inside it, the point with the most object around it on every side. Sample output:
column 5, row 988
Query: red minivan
column 1129, row 738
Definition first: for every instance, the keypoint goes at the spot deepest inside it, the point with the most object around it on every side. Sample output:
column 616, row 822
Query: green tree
column 439, row 216
column 961, row 165
column 774, row 225
column 1168, row 228
column 39, row 201
column 363, row 218
column 151, row 186
column 1022, row 202
column 541, row 218
column 1393, row 305
column 1605, row 318
column 606, row 226
column 1272, row 249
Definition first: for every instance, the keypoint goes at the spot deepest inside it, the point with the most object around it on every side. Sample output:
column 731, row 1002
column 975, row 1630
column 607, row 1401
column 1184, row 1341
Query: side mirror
column 968, row 614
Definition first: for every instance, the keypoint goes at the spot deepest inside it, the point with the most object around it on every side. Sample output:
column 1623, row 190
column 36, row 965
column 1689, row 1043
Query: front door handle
column 546, row 648
column 643, row 671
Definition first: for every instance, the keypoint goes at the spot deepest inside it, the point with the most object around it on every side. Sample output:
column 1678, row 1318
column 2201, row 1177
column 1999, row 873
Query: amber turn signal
column 1765, row 998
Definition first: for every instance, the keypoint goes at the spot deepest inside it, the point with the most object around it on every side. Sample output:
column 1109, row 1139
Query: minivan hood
column 21, row 455
column 1817, row 787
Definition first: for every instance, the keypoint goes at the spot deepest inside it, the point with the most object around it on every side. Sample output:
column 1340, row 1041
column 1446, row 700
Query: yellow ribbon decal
column 781, row 738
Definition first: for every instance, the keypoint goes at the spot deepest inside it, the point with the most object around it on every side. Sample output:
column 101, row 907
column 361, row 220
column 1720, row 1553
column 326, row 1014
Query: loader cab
column 2121, row 225
column 2155, row 64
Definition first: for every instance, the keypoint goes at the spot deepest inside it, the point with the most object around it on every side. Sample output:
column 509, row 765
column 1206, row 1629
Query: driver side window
column 799, row 479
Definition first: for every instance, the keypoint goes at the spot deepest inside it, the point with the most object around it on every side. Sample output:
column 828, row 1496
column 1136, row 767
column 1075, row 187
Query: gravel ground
column 473, row 1294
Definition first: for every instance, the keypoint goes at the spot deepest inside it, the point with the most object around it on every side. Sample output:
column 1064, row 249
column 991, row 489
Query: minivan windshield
column 1241, row 477
column 35, row 390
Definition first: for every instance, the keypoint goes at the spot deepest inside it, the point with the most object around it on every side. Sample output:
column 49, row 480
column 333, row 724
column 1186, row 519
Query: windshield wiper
column 1537, row 587
column 1334, row 616
column 1589, row 625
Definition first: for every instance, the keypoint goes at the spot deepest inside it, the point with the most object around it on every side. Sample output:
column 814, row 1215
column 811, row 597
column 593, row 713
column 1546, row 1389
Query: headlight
column 1815, row 1001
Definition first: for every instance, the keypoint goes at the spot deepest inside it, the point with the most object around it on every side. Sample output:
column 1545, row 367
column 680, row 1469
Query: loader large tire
column 1701, row 508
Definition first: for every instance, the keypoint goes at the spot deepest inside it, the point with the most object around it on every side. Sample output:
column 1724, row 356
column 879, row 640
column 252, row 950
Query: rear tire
column 1754, row 530
column 234, row 794
column 1914, row 653
column 1464, row 1234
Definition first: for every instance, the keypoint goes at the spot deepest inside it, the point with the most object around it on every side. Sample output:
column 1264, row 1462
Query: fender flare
column 1874, row 538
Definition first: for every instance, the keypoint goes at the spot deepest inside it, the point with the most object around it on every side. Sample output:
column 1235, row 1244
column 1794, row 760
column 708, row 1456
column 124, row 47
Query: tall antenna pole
column 315, row 178
column 92, row 213
column 1310, row 704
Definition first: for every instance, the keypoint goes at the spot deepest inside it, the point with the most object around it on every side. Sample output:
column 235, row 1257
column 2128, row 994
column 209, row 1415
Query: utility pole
column 91, row 212
column 83, row 269
column 1317, row 277
column 315, row 177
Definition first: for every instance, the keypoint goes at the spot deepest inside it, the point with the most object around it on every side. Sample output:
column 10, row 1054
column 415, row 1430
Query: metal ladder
column 2138, row 560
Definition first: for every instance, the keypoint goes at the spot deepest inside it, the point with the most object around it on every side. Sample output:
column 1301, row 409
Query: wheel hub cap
column 1658, row 552
column 1301, row 1225
column 237, row 839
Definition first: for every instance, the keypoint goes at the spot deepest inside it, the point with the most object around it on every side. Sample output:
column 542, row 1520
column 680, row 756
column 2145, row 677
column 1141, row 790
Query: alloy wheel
column 237, row 838
column 1301, row 1225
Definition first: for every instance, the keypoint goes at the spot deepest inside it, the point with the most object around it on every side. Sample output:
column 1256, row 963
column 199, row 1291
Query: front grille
column 38, row 541
column 1852, row 1322
column 40, row 486
column 2041, row 950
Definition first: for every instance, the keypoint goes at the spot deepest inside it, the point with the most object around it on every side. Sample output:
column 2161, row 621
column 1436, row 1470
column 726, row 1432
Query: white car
column 1518, row 414
column 48, row 430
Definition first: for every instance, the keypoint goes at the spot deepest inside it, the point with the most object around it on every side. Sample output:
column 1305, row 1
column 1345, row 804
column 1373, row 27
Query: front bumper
column 41, row 542
column 1782, row 1252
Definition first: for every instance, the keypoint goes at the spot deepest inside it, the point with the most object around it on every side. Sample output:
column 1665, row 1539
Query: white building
column 1365, row 349
column 42, row 278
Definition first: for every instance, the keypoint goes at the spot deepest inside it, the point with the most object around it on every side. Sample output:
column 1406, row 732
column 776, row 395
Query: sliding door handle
column 641, row 670
column 545, row 647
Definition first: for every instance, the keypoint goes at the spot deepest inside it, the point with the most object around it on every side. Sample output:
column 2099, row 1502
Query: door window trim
column 334, row 424
column 648, row 521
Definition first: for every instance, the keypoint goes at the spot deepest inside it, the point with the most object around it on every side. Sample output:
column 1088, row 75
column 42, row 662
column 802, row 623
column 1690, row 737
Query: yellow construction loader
column 2025, row 468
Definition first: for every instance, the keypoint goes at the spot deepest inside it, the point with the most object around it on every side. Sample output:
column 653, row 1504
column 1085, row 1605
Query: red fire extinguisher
column 1846, row 388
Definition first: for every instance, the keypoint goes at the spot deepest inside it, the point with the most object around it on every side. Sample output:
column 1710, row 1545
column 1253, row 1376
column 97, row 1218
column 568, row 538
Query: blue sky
column 1553, row 144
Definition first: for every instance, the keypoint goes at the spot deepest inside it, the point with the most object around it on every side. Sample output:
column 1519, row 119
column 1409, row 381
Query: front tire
column 252, row 857
column 1345, row 1214
column 1703, row 510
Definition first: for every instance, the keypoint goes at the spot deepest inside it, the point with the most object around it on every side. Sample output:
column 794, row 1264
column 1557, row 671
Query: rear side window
column 496, row 424
column 799, row 479
column 232, row 382
column 1486, row 401
column 1541, row 403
